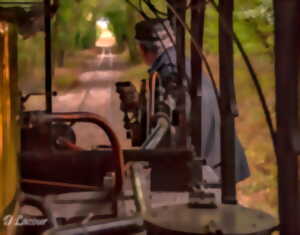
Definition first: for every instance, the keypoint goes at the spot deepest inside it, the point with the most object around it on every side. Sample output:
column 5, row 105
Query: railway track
column 95, row 93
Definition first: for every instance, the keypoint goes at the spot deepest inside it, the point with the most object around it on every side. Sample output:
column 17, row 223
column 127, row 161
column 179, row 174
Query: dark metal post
column 180, row 7
column 197, row 23
column 170, row 14
column 286, row 69
column 48, row 55
column 228, row 107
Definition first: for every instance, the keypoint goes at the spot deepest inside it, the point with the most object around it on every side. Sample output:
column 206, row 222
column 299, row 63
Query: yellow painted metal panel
column 9, row 122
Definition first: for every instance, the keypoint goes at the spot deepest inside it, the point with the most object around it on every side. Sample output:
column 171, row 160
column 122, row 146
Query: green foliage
column 65, row 81
column 253, row 24
column 117, row 17
column 131, row 19
column 261, row 10
column 75, row 24
column 211, row 31
column 31, row 63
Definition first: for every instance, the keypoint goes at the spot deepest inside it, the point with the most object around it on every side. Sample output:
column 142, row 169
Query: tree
column 257, row 20
column 130, row 22
column 74, row 27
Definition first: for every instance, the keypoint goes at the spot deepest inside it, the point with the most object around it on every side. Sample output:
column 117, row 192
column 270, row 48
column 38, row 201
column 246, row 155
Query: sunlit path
column 95, row 93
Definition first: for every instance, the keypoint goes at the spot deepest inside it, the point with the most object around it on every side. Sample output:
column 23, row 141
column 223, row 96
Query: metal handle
column 162, row 127
column 42, row 117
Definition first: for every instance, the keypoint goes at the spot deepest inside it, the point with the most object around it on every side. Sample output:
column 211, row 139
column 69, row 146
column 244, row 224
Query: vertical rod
column 286, row 66
column 197, row 28
column 180, row 37
column 48, row 55
column 170, row 13
column 180, row 6
column 227, row 102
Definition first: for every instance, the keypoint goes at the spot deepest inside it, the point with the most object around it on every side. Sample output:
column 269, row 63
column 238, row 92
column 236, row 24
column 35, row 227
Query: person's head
column 149, row 52
column 153, row 37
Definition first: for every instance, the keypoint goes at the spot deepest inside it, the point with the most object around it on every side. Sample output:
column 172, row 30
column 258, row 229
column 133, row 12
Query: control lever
column 26, row 97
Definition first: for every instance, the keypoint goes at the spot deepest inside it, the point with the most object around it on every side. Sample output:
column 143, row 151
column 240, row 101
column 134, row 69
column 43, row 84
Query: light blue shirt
column 211, row 121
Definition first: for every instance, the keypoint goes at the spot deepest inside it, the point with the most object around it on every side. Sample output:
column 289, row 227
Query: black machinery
column 83, row 192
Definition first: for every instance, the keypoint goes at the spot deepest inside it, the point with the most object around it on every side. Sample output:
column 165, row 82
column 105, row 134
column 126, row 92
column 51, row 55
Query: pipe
column 157, row 134
column 133, row 225
column 42, row 117
column 39, row 202
column 153, row 80
column 59, row 184
column 65, row 143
